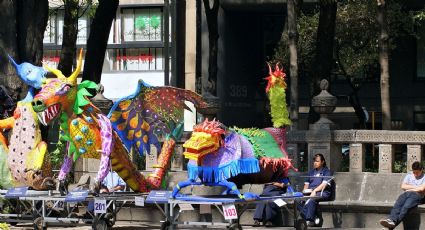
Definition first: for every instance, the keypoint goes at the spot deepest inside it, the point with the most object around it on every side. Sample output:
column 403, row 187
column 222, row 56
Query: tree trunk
column 98, row 39
column 324, row 50
column 198, row 64
column 180, row 42
column 212, row 22
column 21, row 36
column 293, row 62
column 70, row 31
column 8, row 45
column 383, row 61
column 31, row 29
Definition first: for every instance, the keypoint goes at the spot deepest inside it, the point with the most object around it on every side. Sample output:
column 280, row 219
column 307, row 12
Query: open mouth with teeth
column 195, row 154
column 48, row 114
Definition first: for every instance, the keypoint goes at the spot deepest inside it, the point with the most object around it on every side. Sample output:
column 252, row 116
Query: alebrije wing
column 141, row 118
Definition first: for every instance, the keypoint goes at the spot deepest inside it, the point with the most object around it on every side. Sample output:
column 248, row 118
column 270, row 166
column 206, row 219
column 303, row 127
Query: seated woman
column 268, row 212
column 316, row 182
column 112, row 183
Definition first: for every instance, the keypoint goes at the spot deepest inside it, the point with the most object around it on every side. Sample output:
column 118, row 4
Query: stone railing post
column 414, row 153
column 292, row 150
column 319, row 135
column 357, row 157
column 386, row 158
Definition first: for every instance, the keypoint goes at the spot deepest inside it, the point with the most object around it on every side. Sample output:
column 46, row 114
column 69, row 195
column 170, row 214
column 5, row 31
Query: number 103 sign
column 229, row 212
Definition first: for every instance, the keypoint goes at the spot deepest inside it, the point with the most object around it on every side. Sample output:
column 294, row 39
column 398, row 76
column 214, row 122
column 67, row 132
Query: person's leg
column 412, row 200
column 272, row 211
column 259, row 211
column 309, row 209
column 395, row 211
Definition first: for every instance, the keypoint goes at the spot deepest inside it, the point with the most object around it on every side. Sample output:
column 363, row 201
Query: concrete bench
column 361, row 199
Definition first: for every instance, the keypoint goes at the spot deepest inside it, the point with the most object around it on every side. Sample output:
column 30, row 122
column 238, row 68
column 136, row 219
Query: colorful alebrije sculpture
column 27, row 161
column 137, row 121
column 275, row 90
column 232, row 157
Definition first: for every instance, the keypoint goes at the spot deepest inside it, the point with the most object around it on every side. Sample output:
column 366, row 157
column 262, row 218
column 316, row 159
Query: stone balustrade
column 357, row 139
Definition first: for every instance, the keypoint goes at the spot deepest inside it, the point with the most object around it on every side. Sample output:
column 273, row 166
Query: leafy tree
column 355, row 55
column 21, row 36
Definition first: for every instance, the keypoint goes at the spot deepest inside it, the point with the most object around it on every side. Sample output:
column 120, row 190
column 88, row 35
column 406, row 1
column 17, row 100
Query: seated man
column 414, row 191
column 112, row 183
column 267, row 212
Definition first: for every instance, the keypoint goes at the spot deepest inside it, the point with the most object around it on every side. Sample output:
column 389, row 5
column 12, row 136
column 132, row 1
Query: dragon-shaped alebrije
column 135, row 121
column 219, row 156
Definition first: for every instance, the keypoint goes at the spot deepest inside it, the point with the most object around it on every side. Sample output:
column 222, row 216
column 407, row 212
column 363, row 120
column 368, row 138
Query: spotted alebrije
column 27, row 153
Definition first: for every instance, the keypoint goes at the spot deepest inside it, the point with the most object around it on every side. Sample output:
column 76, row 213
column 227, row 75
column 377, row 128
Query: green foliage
column 400, row 167
column 356, row 36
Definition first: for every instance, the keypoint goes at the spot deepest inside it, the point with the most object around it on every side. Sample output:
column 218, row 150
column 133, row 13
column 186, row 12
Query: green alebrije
column 82, row 92
column 279, row 111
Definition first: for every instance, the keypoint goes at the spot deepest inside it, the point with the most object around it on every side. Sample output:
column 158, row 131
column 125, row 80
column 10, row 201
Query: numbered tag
column 229, row 212
column 99, row 206
column 60, row 205
column 279, row 202
column 139, row 201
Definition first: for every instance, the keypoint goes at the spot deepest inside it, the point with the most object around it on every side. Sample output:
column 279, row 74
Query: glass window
column 420, row 53
column 54, row 30
column 143, row 24
column 133, row 59
column 50, row 33
column 82, row 30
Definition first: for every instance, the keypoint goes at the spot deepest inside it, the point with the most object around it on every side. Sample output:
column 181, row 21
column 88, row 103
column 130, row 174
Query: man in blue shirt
column 317, row 181
column 112, row 183
column 414, row 187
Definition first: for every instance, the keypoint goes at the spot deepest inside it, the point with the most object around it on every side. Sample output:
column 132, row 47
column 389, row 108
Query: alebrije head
column 276, row 77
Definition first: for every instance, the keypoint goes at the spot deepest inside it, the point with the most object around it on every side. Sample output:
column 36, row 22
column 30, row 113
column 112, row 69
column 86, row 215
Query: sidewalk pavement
column 126, row 225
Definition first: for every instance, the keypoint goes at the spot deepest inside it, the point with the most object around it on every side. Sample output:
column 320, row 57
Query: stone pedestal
column 319, row 136
column 319, row 141
column 414, row 153
column 292, row 150
column 357, row 157
column 151, row 159
column 177, row 160
column 213, row 107
column 386, row 156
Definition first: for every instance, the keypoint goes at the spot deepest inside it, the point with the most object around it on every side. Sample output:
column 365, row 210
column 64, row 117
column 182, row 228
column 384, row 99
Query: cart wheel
column 100, row 224
column 235, row 226
column 165, row 225
column 38, row 224
column 110, row 219
column 301, row 224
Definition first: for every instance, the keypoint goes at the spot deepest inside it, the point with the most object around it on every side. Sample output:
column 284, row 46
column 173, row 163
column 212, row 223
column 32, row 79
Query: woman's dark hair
column 322, row 158
column 417, row 166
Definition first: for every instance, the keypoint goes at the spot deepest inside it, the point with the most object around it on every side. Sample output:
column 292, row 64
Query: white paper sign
column 186, row 207
column 139, row 201
column 99, row 206
column 60, row 205
column 279, row 202
column 229, row 212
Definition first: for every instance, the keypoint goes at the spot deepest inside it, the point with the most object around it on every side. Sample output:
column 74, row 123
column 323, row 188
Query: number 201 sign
column 229, row 212
column 99, row 206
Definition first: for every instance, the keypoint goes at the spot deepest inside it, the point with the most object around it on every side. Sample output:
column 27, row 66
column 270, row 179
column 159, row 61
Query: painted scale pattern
column 26, row 150
column 86, row 136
